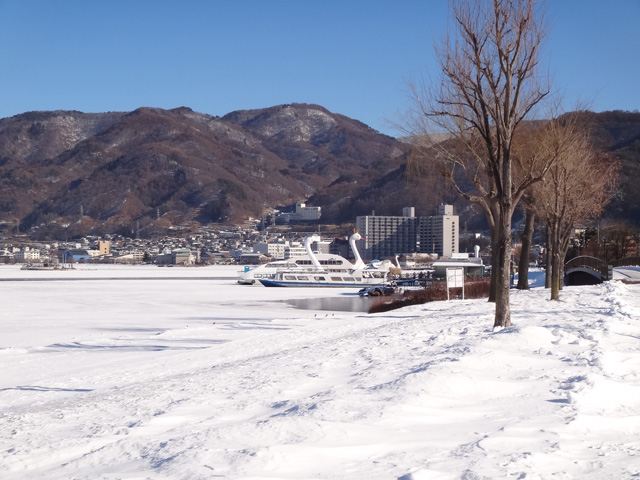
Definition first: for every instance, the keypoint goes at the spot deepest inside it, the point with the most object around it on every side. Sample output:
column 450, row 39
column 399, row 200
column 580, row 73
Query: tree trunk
column 527, row 240
column 547, row 261
column 555, row 250
column 555, row 276
column 503, row 269
column 495, row 259
column 564, row 242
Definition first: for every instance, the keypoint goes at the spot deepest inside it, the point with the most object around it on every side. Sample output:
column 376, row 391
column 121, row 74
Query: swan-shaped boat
column 337, row 273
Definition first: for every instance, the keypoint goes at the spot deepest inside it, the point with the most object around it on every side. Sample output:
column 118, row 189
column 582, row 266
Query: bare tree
column 577, row 188
column 619, row 240
column 530, row 149
column 526, row 240
column 490, row 84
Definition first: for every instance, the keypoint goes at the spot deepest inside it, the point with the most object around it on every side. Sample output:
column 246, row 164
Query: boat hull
column 291, row 283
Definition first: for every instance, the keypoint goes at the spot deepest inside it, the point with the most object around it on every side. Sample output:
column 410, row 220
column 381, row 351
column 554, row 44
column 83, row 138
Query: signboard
column 455, row 279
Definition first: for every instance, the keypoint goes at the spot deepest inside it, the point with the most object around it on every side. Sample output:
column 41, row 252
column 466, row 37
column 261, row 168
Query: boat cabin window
column 349, row 279
column 320, row 279
column 303, row 277
column 331, row 261
column 336, row 279
column 289, row 277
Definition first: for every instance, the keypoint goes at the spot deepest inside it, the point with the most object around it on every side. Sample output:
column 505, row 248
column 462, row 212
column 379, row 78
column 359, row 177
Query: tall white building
column 387, row 236
column 439, row 233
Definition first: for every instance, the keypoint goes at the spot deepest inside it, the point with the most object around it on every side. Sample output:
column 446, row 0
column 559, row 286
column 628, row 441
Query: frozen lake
column 97, row 299
column 118, row 372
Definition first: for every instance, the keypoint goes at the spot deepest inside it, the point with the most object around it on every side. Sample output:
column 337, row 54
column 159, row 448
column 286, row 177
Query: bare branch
column 489, row 85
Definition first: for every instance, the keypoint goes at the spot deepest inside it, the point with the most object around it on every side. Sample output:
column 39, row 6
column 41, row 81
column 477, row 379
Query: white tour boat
column 334, row 271
column 267, row 271
column 251, row 275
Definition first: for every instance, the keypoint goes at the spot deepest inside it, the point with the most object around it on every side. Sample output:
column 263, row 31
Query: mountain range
column 68, row 173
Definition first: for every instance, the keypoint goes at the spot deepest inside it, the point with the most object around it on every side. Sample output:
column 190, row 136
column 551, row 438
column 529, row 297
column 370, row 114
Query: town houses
column 411, row 238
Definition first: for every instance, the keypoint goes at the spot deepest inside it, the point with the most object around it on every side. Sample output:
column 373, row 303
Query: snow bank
column 203, row 378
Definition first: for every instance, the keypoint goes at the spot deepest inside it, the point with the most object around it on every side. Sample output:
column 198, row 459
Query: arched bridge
column 587, row 270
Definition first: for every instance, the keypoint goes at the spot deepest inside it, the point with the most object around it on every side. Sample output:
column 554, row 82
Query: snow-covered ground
column 114, row 373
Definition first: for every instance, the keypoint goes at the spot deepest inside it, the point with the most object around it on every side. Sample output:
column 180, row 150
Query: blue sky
column 354, row 57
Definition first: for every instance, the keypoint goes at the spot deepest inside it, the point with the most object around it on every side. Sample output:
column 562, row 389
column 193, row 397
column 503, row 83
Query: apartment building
column 439, row 234
column 276, row 250
column 27, row 255
column 387, row 236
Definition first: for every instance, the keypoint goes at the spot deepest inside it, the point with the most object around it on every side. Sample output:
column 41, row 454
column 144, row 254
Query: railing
column 591, row 263
column 626, row 262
